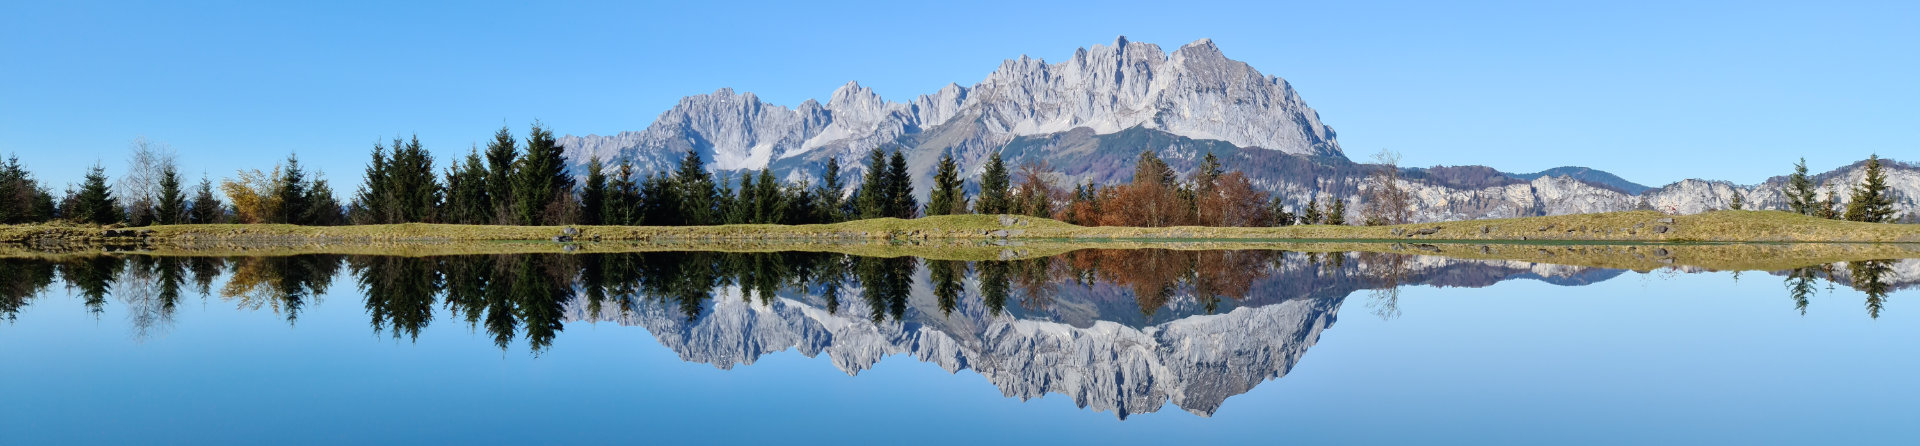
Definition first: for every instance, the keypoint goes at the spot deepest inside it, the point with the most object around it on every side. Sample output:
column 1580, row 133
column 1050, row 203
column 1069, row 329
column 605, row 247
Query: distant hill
column 1588, row 175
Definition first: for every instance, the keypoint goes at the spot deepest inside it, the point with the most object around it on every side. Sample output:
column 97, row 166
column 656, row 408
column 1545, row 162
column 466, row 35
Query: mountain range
column 1089, row 117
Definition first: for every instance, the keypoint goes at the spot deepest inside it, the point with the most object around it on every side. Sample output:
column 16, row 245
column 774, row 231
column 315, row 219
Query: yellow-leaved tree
column 255, row 195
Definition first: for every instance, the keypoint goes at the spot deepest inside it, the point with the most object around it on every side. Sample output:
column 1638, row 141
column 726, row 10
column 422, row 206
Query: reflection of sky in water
column 1638, row 358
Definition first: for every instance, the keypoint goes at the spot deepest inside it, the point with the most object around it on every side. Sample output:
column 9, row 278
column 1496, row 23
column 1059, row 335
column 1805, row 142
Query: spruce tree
column 467, row 201
column 323, row 209
column 993, row 188
column 769, row 204
column 831, row 195
column 171, row 208
column 1337, row 212
column 94, row 203
column 501, row 152
column 1871, row 202
column 660, row 201
column 1311, row 214
column 872, row 198
column 415, row 193
column 543, row 182
column 370, row 202
column 292, row 188
column 22, row 200
column 901, row 203
column 741, row 209
column 1829, row 209
column 1800, row 193
column 206, row 208
column 623, row 198
column 695, row 191
column 1738, row 202
column 593, row 196
column 949, row 191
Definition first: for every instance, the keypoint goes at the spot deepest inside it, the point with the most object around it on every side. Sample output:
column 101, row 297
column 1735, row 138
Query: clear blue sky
column 1652, row 91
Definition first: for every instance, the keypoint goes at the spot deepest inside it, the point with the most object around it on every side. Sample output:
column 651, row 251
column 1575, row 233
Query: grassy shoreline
column 1633, row 226
column 1740, row 240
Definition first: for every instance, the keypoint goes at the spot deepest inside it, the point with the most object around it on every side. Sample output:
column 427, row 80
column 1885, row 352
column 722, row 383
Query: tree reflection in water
column 531, row 297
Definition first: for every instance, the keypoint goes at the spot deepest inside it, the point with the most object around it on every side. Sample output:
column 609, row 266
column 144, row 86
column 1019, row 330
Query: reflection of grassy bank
column 1628, row 255
column 1640, row 226
column 1591, row 239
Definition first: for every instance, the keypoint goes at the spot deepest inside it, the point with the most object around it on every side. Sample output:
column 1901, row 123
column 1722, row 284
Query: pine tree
column 1800, row 193
column 292, row 191
column 543, row 185
column 501, row 152
column 1337, row 212
column 1829, row 209
column 370, row 202
column 660, row 201
column 949, row 195
column 741, row 209
column 416, row 194
column 769, row 204
column 994, row 188
column 872, row 199
column 1871, row 202
column 171, row 208
column 1311, row 214
column 467, row 201
column 206, row 208
column 323, row 209
column 22, row 200
column 593, row 196
column 623, row 198
column 901, row 203
column 696, row 192
column 94, row 202
column 831, row 195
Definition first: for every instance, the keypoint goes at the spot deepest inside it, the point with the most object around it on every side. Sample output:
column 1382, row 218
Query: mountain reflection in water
column 1115, row 330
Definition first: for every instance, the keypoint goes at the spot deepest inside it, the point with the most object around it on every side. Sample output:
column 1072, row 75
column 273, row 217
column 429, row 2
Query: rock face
column 1195, row 91
column 1091, row 115
column 1091, row 344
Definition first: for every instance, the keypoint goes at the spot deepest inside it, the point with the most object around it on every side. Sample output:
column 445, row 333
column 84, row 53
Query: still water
column 1093, row 346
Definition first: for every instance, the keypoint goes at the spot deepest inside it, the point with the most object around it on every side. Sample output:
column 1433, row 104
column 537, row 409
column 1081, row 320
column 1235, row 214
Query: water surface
column 1111, row 346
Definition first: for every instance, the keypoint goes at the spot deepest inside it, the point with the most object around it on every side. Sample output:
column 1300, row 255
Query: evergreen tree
column 415, row 193
column 741, row 209
column 769, row 204
column 323, row 209
column 501, row 153
column 831, row 196
column 993, row 188
column 171, row 208
column 1829, row 209
column 1311, row 214
column 467, row 199
column 900, row 201
column 1871, row 202
column 1738, row 202
column 543, row 187
column 293, row 197
column 593, row 196
column 872, row 198
column 623, row 198
column 1800, row 194
column 370, row 202
column 206, row 208
column 660, row 202
column 94, row 202
column 696, row 193
column 1337, row 212
column 22, row 200
column 949, row 195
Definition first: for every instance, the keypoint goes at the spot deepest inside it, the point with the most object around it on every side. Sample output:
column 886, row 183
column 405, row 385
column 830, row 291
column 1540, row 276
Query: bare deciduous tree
column 1386, row 202
column 140, row 185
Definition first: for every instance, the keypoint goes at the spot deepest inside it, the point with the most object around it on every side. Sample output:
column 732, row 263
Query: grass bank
column 1635, row 226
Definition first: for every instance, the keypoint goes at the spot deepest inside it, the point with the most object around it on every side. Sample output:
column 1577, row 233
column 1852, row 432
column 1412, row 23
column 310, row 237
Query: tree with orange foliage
column 1034, row 196
column 1152, row 199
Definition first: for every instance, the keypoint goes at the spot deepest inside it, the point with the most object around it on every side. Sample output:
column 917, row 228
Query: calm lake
column 1092, row 346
